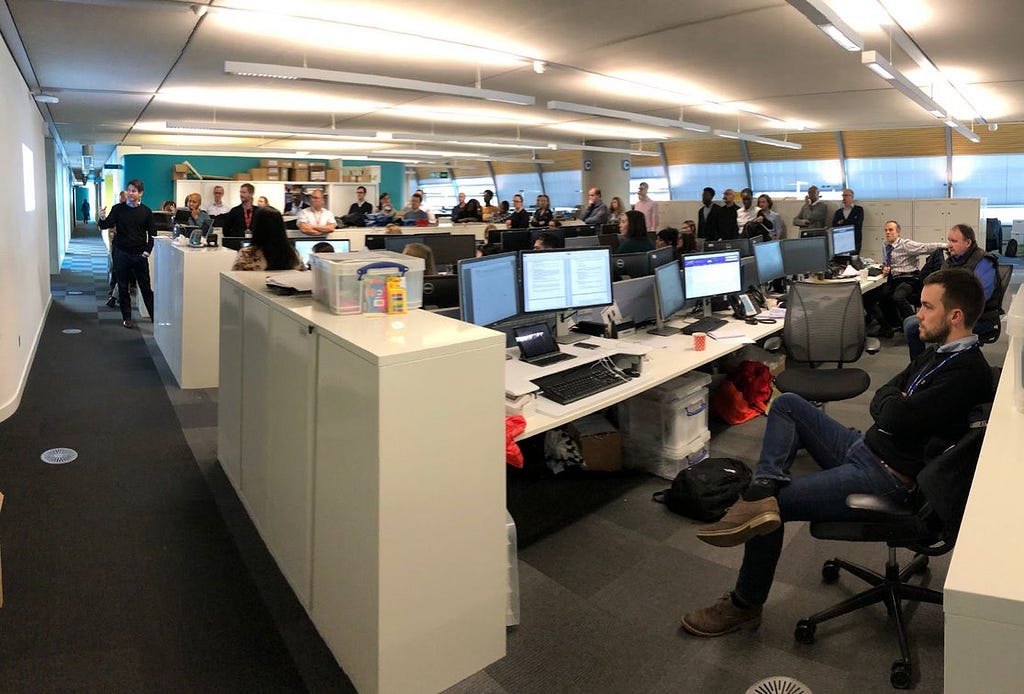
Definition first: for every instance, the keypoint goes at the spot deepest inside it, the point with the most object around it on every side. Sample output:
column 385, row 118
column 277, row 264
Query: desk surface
column 665, row 358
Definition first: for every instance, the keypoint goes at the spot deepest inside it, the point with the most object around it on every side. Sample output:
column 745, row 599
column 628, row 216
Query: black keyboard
column 577, row 383
column 553, row 359
column 705, row 325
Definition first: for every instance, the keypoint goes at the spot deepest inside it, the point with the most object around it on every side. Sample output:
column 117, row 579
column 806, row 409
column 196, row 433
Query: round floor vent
column 71, row 331
column 779, row 684
column 59, row 456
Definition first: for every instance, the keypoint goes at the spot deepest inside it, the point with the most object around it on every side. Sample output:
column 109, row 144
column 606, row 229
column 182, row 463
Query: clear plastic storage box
column 666, row 462
column 336, row 278
column 669, row 416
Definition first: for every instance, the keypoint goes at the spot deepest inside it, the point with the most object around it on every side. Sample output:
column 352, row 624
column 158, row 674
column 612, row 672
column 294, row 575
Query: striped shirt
column 905, row 252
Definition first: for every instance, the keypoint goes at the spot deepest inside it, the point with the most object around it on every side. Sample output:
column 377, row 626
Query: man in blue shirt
column 597, row 211
column 964, row 252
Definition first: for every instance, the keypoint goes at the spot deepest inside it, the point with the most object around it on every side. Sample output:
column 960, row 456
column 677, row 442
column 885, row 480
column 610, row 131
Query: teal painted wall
column 154, row 170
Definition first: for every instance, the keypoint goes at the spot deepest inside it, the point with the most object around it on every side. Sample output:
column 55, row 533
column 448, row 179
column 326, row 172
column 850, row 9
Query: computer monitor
column 610, row 240
column 769, row 261
column 659, row 257
column 441, row 291
column 164, row 221
column 711, row 274
column 744, row 246
column 305, row 246
column 748, row 273
column 182, row 215
column 669, row 298
column 557, row 233
column 804, row 255
column 516, row 240
column 581, row 242
column 627, row 265
column 564, row 279
column 449, row 249
column 843, row 240
column 494, row 236
column 635, row 299
column 489, row 288
column 396, row 243
column 374, row 242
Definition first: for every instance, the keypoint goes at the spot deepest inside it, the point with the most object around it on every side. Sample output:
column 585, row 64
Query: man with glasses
column 597, row 211
column 217, row 207
column 813, row 215
column 850, row 214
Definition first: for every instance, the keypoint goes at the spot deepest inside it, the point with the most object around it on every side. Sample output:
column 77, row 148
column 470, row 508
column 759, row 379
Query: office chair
column 824, row 325
column 988, row 326
column 928, row 528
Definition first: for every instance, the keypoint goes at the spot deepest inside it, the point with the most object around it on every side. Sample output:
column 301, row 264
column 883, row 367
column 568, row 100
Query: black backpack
column 1011, row 248
column 705, row 490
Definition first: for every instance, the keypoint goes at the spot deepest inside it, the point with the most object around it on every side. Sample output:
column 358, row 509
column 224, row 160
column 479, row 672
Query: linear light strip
column 628, row 116
column 954, row 124
column 458, row 139
column 612, row 150
column 825, row 18
column 305, row 73
column 882, row 67
column 734, row 135
column 260, row 129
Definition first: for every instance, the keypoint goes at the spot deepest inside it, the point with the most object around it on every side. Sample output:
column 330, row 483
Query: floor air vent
column 779, row 685
column 59, row 456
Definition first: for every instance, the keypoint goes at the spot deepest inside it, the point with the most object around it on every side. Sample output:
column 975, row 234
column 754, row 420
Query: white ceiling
column 114, row 63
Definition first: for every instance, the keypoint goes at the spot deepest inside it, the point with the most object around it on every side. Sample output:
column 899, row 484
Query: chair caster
column 830, row 572
column 900, row 677
column 805, row 632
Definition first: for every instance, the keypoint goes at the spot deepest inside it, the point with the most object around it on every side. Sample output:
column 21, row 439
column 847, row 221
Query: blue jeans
column 848, row 466
column 914, row 343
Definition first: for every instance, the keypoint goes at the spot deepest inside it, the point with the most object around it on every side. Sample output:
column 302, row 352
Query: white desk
column 984, row 591
column 186, row 324
column 369, row 453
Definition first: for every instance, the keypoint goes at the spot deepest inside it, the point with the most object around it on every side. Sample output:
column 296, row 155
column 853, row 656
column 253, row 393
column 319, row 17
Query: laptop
column 537, row 345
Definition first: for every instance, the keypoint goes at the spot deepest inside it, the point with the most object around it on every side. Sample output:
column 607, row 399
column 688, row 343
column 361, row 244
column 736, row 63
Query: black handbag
column 704, row 491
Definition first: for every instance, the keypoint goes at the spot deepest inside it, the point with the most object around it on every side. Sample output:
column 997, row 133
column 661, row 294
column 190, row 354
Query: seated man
column 916, row 415
column 964, row 252
column 890, row 304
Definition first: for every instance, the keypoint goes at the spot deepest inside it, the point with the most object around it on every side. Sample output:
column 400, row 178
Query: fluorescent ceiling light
column 467, row 139
column 954, row 124
column 613, row 150
column 900, row 82
column 289, row 100
column 628, row 116
column 318, row 75
column 823, row 17
column 256, row 129
column 733, row 135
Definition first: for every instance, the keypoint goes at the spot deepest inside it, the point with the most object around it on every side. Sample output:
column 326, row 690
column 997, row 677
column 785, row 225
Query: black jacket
column 708, row 229
column 907, row 430
column 134, row 227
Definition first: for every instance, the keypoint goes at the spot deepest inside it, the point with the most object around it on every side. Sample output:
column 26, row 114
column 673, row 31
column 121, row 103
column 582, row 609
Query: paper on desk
column 850, row 271
column 773, row 313
column 292, row 279
column 730, row 333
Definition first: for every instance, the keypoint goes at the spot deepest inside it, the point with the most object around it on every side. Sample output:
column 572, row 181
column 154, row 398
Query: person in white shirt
column 747, row 211
column 316, row 220
column 217, row 207
column 648, row 207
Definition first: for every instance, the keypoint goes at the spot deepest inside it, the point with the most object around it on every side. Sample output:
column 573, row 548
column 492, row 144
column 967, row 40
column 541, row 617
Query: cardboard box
column 317, row 166
column 178, row 176
column 258, row 174
column 599, row 442
column 275, row 163
column 300, row 164
column 182, row 168
column 332, row 176
column 317, row 175
column 300, row 175
column 242, row 177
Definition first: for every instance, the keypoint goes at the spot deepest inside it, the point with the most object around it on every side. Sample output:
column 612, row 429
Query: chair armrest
column 878, row 504
column 872, row 345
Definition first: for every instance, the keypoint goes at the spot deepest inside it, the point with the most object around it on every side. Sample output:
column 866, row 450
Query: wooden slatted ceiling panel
column 815, row 146
column 468, row 169
column 511, row 167
column 1009, row 139
column 899, row 142
column 564, row 160
column 709, row 151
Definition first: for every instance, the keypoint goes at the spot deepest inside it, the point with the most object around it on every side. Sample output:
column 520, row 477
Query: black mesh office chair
column 824, row 325
column 928, row 528
column 989, row 326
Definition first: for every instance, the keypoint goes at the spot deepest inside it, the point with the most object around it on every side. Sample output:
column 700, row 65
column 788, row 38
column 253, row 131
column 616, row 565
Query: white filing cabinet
column 185, row 327
column 369, row 452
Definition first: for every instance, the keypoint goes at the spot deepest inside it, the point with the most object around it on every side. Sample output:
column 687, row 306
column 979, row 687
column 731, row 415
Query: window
column 796, row 176
column 439, row 193
column 657, row 184
column 526, row 184
column 474, row 187
column 999, row 178
column 688, row 180
column 898, row 177
column 564, row 188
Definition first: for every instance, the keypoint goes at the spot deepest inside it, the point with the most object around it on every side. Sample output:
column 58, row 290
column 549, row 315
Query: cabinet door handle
column 309, row 329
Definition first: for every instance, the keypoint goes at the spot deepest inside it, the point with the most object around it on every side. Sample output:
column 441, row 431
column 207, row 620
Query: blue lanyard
column 924, row 375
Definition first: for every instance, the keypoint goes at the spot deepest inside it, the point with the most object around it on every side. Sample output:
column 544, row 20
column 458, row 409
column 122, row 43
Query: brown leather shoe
column 744, row 520
column 128, row 323
column 721, row 618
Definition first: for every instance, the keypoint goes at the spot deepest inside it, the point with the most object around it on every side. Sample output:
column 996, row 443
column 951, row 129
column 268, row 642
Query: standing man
column 728, row 227
column 747, row 212
column 239, row 218
column 218, row 206
column 597, row 211
column 460, row 208
column 296, row 204
column 707, row 215
column 360, row 206
column 86, row 210
column 813, row 215
column 316, row 220
column 134, row 229
column 889, row 304
column 850, row 214
column 924, row 408
column 648, row 207
column 962, row 246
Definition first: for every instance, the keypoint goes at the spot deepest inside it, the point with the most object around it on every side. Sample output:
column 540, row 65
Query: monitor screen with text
column 711, row 274
column 557, row 280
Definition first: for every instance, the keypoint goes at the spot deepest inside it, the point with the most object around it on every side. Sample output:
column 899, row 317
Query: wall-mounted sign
column 625, row 164
column 587, row 165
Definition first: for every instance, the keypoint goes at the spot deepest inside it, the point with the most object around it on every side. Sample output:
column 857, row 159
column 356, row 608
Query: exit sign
column 439, row 174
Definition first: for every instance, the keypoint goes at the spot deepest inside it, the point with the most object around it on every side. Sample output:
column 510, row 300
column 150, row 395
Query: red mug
column 700, row 342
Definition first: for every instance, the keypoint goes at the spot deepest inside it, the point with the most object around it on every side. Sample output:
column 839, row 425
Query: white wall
column 24, row 246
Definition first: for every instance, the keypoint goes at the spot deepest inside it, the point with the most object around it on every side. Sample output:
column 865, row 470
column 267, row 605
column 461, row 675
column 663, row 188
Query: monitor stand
column 563, row 335
column 661, row 329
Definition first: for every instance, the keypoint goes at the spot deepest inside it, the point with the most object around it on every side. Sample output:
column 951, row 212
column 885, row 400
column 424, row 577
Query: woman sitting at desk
column 472, row 212
column 633, row 227
column 269, row 249
column 422, row 250
column 196, row 216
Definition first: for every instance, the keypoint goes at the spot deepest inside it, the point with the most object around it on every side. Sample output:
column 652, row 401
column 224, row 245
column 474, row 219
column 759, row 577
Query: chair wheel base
column 830, row 572
column 901, row 673
column 804, row 632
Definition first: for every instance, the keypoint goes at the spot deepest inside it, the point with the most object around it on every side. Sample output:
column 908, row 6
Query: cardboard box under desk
column 599, row 442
